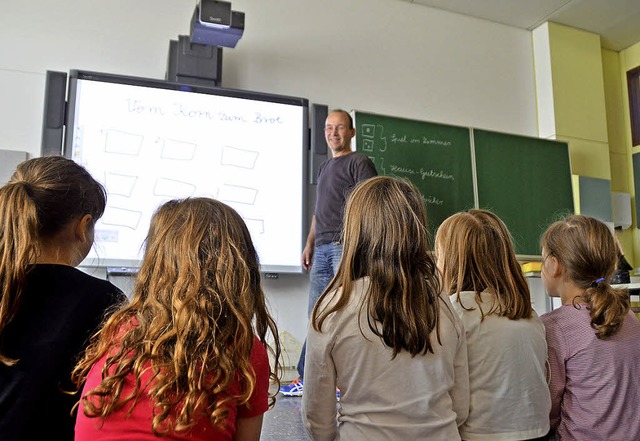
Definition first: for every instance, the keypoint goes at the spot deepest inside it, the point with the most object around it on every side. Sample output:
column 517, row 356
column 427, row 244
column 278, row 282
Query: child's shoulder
column 466, row 298
column 565, row 314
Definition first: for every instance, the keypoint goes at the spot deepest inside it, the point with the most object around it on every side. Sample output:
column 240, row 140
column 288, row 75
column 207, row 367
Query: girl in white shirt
column 505, row 338
column 382, row 333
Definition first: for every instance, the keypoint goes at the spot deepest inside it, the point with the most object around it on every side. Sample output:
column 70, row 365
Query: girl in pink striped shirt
column 593, row 339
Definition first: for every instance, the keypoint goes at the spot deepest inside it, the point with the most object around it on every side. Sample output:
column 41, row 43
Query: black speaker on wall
column 193, row 63
column 53, row 118
column 318, row 114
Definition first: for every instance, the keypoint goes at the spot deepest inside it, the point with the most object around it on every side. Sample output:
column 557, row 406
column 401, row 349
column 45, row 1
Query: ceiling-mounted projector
column 215, row 24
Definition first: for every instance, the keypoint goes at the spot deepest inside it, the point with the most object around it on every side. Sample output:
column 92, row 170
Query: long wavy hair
column 385, row 238
column 197, row 304
column 475, row 253
column 42, row 197
column 587, row 250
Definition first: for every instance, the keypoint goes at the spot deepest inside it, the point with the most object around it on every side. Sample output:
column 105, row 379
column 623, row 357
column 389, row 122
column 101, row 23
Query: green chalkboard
column 435, row 157
column 526, row 181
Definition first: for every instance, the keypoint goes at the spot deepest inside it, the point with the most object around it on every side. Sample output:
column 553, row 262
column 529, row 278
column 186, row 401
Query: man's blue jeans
column 326, row 260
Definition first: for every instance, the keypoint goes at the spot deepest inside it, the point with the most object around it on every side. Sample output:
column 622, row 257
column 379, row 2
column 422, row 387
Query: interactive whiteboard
column 148, row 141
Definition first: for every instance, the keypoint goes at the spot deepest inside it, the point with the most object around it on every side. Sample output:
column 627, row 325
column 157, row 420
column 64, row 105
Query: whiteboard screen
column 149, row 141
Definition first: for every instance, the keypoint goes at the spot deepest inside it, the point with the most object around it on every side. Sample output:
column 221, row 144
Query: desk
column 542, row 303
column 634, row 295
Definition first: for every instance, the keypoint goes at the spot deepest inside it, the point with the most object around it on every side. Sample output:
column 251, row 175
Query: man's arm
column 307, row 253
column 366, row 169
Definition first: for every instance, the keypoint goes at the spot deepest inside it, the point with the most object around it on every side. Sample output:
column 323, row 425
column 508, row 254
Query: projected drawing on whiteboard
column 255, row 225
column 103, row 235
column 241, row 158
column 173, row 188
column 123, row 143
column 149, row 142
column 238, row 194
column 120, row 184
column 121, row 217
column 178, row 150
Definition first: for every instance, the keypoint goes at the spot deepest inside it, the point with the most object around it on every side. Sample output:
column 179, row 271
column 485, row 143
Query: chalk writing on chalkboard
column 421, row 173
column 527, row 187
column 436, row 158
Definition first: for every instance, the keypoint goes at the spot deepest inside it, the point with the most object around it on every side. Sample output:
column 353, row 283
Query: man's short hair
column 346, row 113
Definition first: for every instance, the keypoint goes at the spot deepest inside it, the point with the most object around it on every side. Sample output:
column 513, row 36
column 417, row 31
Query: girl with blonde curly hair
column 187, row 359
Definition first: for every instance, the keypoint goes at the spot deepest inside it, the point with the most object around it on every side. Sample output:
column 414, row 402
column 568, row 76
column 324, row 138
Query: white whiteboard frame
column 291, row 233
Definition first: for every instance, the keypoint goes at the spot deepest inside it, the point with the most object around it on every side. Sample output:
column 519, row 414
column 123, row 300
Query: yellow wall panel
column 614, row 96
column 578, row 84
column 631, row 56
column 588, row 158
column 575, row 187
column 620, row 172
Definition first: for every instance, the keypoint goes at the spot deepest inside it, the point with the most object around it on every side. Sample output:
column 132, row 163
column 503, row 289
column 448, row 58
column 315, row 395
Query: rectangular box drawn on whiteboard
column 120, row 184
column 121, row 217
column 238, row 194
column 239, row 157
column 255, row 225
column 178, row 150
column 123, row 143
column 173, row 188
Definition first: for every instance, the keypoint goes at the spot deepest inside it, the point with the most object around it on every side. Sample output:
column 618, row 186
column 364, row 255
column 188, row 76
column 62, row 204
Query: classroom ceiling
column 616, row 21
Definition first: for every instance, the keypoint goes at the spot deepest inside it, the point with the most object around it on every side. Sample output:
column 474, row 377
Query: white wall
column 385, row 56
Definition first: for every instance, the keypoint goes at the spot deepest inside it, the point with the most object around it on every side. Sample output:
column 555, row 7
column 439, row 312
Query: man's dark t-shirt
column 336, row 178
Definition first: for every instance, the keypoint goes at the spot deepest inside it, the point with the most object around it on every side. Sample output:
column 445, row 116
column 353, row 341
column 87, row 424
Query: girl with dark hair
column 187, row 358
column 48, row 309
column 382, row 333
column 593, row 338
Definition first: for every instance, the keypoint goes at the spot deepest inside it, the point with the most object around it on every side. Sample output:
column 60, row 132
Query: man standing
column 336, row 178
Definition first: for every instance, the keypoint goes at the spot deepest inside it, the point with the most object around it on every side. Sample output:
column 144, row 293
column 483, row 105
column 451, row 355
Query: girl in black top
column 48, row 309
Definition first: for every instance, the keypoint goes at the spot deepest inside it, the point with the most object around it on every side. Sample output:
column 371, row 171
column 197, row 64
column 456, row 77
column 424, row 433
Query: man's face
column 337, row 133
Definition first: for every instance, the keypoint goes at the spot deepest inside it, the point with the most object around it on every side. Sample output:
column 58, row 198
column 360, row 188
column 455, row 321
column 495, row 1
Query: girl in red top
column 187, row 359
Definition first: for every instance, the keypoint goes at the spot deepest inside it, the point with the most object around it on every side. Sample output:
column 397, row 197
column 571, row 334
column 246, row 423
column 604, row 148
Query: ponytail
column 18, row 248
column 588, row 251
column 42, row 197
column 608, row 307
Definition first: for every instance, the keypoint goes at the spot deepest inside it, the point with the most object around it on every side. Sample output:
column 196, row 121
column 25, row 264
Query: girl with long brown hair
column 48, row 308
column 382, row 333
column 187, row 358
column 505, row 338
column 593, row 337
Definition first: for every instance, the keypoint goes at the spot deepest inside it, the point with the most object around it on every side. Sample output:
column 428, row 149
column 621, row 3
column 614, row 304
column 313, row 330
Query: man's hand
column 307, row 257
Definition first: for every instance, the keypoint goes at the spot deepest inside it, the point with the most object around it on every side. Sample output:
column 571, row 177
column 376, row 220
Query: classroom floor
column 284, row 422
